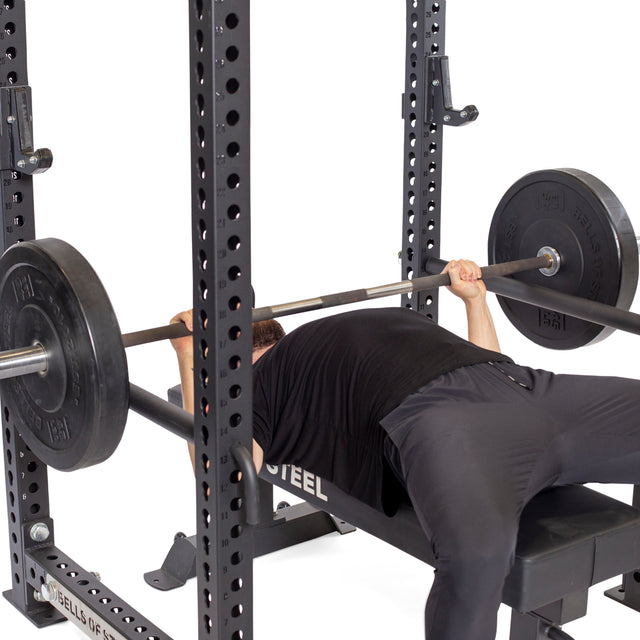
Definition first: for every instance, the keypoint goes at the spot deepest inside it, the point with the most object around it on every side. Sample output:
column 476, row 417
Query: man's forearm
column 482, row 331
column 186, row 381
column 185, row 365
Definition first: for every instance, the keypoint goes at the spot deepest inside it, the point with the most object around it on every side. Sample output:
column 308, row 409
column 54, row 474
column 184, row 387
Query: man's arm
column 466, row 284
column 184, row 352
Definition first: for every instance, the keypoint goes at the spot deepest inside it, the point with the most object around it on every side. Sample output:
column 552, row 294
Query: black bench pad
column 570, row 539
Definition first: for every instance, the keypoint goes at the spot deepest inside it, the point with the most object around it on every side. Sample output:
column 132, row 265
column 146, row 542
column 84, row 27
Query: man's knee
column 480, row 565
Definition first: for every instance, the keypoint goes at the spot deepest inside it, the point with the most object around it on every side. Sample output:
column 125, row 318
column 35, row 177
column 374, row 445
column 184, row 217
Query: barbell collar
column 581, row 308
column 20, row 362
column 424, row 283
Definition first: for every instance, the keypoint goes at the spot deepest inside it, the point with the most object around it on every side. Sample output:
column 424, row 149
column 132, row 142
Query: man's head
column 265, row 335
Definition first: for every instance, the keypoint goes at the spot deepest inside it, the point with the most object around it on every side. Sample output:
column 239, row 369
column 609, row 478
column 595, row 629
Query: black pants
column 474, row 446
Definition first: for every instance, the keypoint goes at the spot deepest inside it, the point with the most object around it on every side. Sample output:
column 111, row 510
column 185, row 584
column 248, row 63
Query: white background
column 556, row 85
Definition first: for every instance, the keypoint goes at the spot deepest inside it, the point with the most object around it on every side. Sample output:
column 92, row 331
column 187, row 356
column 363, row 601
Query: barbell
column 63, row 369
column 34, row 358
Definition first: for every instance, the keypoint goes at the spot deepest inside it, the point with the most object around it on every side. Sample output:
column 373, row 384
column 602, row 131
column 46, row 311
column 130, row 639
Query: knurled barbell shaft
column 424, row 283
column 167, row 332
column 347, row 297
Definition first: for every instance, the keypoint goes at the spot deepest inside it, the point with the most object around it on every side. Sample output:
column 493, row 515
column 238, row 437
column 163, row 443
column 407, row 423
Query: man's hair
column 266, row 333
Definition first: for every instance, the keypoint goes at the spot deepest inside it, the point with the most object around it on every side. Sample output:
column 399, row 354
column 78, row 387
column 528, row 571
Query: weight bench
column 570, row 539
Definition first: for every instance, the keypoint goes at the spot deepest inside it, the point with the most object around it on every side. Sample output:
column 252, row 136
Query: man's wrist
column 185, row 362
column 474, row 304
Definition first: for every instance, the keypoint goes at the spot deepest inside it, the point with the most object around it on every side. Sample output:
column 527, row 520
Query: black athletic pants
column 475, row 445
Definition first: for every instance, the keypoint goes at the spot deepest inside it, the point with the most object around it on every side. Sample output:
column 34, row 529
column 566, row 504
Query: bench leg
column 283, row 528
column 545, row 622
column 628, row 593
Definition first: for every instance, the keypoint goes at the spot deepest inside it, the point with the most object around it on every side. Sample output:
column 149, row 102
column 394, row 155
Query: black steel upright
column 26, row 477
column 422, row 186
column 219, row 61
column 16, row 187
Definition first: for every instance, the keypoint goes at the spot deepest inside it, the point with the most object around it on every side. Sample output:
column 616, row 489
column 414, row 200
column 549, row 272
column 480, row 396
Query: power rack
column 48, row 586
column 220, row 168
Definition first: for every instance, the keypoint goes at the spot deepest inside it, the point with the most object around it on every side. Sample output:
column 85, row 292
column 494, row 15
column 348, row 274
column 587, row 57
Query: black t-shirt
column 321, row 391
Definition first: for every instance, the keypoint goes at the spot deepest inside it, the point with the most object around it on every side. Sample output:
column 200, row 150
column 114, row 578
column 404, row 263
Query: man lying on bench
column 385, row 403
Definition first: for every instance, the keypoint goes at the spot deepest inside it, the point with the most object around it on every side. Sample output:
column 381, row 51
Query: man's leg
column 474, row 545
column 476, row 445
column 601, row 438
column 467, row 464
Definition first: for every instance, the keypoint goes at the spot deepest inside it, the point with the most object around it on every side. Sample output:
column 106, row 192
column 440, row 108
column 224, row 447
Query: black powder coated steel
column 26, row 477
column 287, row 526
column 220, row 169
column 553, row 302
column 16, row 187
column 74, row 414
column 167, row 415
column 583, row 220
column 423, row 139
column 27, row 503
column 20, row 153
column 628, row 593
column 84, row 600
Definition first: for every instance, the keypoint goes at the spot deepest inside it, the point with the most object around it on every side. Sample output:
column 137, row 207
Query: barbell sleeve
column 20, row 362
column 33, row 359
column 581, row 308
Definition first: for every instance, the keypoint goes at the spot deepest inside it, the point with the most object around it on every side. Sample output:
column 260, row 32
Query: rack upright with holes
column 426, row 109
column 422, row 186
column 26, row 477
column 220, row 108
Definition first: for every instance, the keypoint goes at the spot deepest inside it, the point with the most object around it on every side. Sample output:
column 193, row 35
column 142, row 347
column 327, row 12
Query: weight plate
column 581, row 218
column 73, row 415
